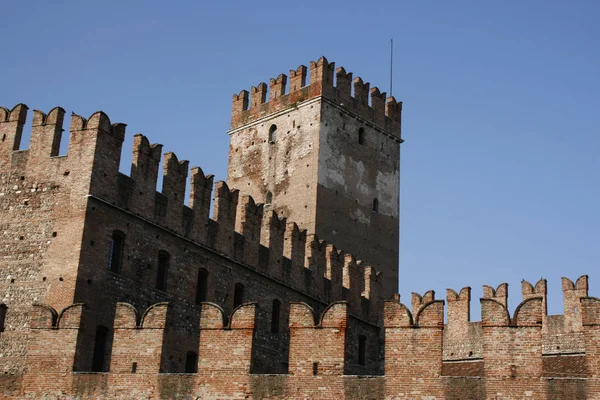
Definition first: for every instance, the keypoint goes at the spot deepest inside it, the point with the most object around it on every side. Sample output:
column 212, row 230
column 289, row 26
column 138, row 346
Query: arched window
column 269, row 198
column 117, row 245
column 99, row 356
column 201, row 286
column 362, row 350
column 361, row 136
column 375, row 205
column 275, row 316
column 238, row 295
column 191, row 363
column 272, row 133
column 2, row 317
column 163, row 268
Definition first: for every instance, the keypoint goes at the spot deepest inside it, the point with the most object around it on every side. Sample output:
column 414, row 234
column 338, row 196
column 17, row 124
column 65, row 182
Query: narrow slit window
column 201, row 286
column 361, row 136
column 163, row 268
column 2, row 317
column 375, row 205
column 238, row 295
column 269, row 198
column 275, row 316
column 272, row 133
column 362, row 349
column 117, row 246
column 191, row 363
column 99, row 356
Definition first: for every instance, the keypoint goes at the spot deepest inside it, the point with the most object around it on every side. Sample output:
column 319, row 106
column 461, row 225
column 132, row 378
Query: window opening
column 201, row 285
column 2, row 317
column 275, row 316
column 117, row 246
column 163, row 267
column 362, row 349
column 99, row 356
column 315, row 369
column 375, row 205
column 238, row 295
column 191, row 363
column 361, row 136
column 269, row 198
column 272, row 133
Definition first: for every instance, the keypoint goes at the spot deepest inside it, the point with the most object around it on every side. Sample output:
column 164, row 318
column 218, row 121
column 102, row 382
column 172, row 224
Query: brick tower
column 325, row 158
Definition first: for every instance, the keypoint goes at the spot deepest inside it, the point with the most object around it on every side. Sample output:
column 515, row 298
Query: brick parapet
column 383, row 112
column 511, row 362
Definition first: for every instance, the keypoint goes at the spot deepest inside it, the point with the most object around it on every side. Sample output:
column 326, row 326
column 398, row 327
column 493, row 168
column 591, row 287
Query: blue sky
column 500, row 168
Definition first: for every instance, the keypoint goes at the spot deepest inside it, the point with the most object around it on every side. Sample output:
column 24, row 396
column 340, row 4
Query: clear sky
column 500, row 168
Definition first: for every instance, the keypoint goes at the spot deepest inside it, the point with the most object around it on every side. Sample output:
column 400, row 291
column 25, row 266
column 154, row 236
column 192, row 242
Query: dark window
column 275, row 316
column 191, row 363
column 315, row 368
column 134, row 368
column 201, row 285
column 269, row 198
column 272, row 133
column 99, row 357
column 361, row 136
column 163, row 268
column 375, row 205
column 2, row 317
column 117, row 246
column 238, row 295
column 362, row 349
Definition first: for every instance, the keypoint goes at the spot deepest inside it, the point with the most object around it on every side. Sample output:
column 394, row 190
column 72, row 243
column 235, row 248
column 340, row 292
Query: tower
column 325, row 157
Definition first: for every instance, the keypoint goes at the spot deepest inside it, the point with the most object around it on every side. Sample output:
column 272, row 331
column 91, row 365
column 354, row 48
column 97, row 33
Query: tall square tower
column 326, row 155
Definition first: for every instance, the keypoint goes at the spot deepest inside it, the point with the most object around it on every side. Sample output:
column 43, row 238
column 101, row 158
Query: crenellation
column 393, row 109
column 248, row 222
column 361, row 91
column 200, row 201
column 173, row 188
column 258, row 95
column 144, row 172
column 384, row 113
column 271, row 240
column 46, row 134
column 294, row 249
column 500, row 294
column 321, row 77
column 277, row 87
column 343, row 83
column 378, row 106
column 334, row 270
column 11, row 131
column 297, row 78
column 138, row 341
column 418, row 301
column 224, row 213
column 459, row 310
column 572, row 293
column 317, row 349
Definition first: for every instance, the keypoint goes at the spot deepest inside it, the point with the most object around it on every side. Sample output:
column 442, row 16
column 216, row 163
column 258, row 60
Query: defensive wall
column 509, row 357
column 61, row 216
column 333, row 336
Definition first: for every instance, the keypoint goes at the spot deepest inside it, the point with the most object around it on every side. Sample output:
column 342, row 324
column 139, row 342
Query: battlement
column 511, row 360
column 336, row 85
column 240, row 229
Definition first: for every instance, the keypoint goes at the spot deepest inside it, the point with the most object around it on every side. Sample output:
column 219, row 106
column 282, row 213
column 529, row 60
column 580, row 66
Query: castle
column 111, row 289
